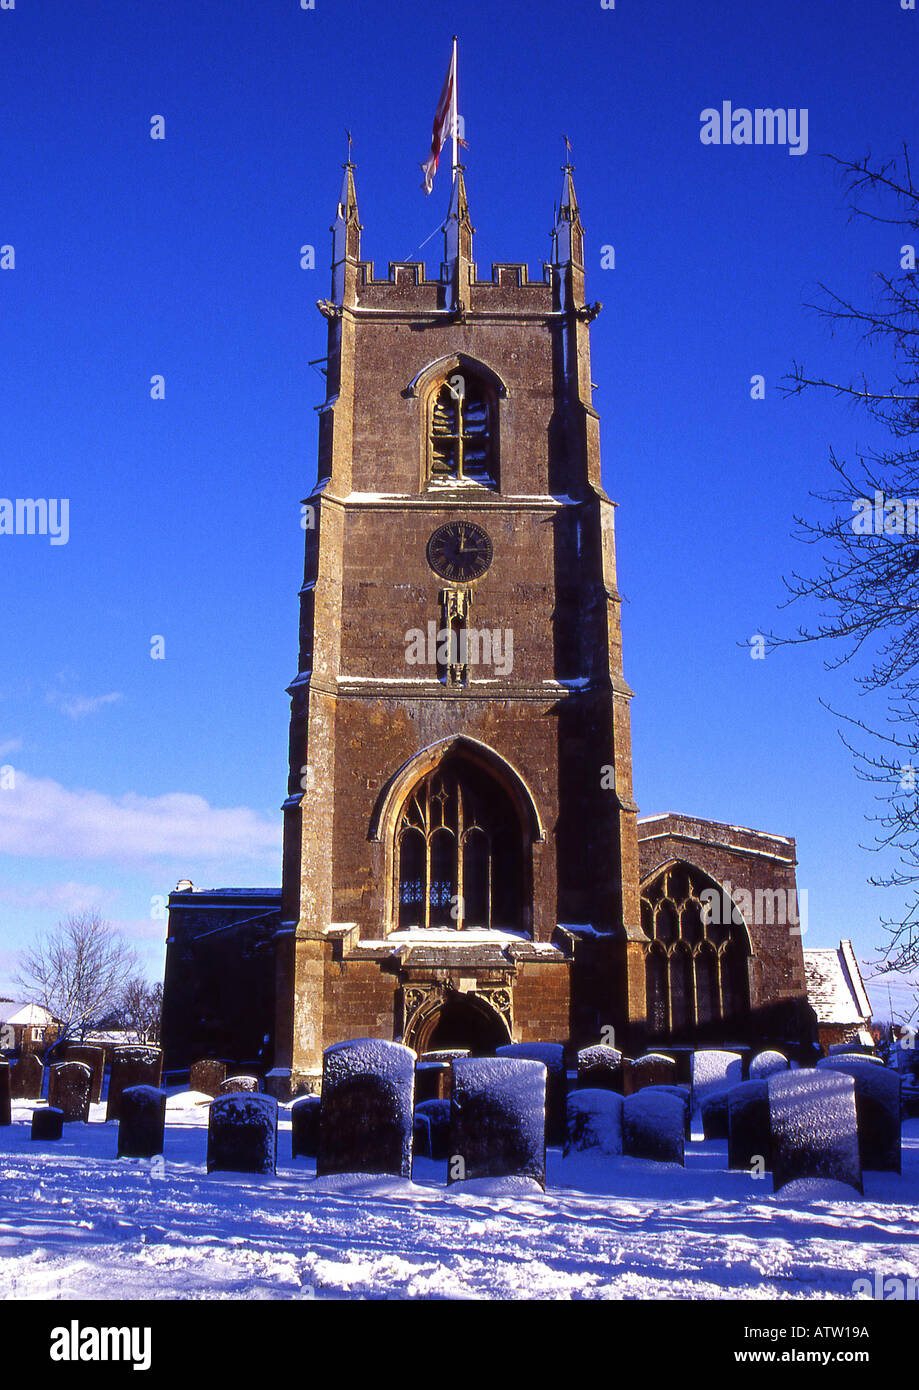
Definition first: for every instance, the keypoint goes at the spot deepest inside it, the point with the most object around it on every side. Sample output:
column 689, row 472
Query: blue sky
column 181, row 257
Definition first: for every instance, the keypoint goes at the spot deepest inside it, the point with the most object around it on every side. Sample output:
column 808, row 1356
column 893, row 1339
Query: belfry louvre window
column 462, row 433
column 696, row 974
column 458, row 852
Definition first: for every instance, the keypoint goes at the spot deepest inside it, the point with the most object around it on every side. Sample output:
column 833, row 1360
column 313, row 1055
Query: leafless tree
column 140, row 1008
column 865, row 582
column 77, row 971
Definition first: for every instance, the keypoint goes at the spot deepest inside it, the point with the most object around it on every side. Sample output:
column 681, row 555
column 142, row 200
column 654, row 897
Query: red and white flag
column 443, row 124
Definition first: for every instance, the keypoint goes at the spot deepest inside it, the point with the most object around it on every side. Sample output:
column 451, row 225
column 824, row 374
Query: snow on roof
column 835, row 989
column 13, row 1011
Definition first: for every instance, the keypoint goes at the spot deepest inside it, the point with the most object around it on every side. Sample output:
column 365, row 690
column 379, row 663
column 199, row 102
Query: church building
column 464, row 864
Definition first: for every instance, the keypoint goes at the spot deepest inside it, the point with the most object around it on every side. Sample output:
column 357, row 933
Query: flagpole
column 454, row 111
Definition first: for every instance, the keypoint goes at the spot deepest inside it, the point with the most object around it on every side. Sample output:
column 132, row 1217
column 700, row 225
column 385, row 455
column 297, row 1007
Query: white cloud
column 42, row 819
column 11, row 745
column 57, row 897
column 78, row 706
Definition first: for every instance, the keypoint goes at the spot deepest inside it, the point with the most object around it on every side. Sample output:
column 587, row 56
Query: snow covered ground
column 76, row 1223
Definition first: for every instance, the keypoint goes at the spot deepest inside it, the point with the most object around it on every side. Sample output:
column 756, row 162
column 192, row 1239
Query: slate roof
column 835, row 989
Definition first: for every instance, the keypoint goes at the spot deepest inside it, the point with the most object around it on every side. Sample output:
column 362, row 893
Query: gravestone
column 242, row 1133
column 766, row 1064
column 431, row 1129
column 365, row 1123
column 47, row 1123
column 552, row 1056
column 432, row 1081
column 653, row 1127
column 749, row 1134
column 92, row 1057
column 714, row 1070
column 235, row 1085
column 69, row 1089
column 600, row 1068
column 132, row 1065
column 27, row 1077
column 814, row 1127
column 653, row 1069
column 877, row 1109
column 6, row 1112
column 594, row 1123
column 682, row 1092
column 207, row 1076
column 714, row 1111
column 304, row 1127
column 498, row 1119
column 142, row 1123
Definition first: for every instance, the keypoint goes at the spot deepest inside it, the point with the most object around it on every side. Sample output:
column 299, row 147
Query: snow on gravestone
column 600, row 1068
column 714, row 1112
column 653, row 1069
column 749, row 1135
column 6, row 1113
column 498, row 1119
column 653, row 1126
column 431, row 1135
column 714, row 1070
column 877, row 1108
column 814, row 1128
column 365, row 1123
column 27, row 1077
column 143, row 1122
column 304, row 1127
column 682, row 1093
column 132, row 1065
column 552, row 1056
column 594, row 1123
column 234, row 1085
column 766, row 1064
column 69, row 1088
column 242, row 1133
column 47, row 1124
column 92, row 1057
column 207, row 1076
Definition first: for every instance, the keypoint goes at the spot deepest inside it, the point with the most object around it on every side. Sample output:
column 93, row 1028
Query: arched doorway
column 460, row 851
column 457, row 1021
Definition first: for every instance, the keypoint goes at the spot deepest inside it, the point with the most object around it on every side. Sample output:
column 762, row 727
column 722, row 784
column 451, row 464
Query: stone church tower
column 460, row 839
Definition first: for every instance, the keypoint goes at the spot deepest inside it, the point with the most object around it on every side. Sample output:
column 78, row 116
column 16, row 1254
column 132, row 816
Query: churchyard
column 704, row 1175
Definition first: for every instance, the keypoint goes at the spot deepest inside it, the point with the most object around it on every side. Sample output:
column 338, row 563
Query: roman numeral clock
column 460, row 551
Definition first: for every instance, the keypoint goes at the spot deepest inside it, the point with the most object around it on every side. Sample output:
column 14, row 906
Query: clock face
column 460, row 551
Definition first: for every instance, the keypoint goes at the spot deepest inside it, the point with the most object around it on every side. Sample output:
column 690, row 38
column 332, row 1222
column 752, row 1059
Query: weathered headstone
column 431, row 1132
column 132, row 1065
column 682, row 1092
column 142, row 1123
column 653, row 1126
column 242, row 1133
column 653, row 1069
column 594, row 1123
column 365, row 1124
column 27, row 1077
column 766, row 1064
column 498, row 1119
column 749, row 1134
column 235, row 1085
column 69, row 1089
column 714, row 1070
column 877, row 1108
column 552, row 1056
column 814, row 1127
column 47, row 1123
column 207, row 1076
column 92, row 1057
column 304, row 1127
column 6, row 1113
column 714, row 1111
column 600, row 1068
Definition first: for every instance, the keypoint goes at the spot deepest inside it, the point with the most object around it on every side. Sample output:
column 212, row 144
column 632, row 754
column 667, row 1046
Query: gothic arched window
column 462, row 431
column 696, row 966
column 459, row 852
